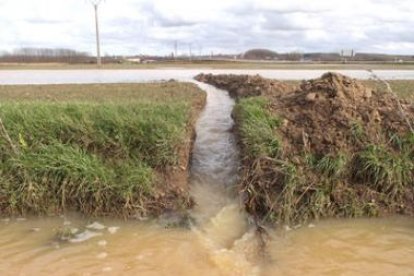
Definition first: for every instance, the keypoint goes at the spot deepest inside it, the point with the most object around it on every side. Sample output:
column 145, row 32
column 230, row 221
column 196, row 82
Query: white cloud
column 145, row 26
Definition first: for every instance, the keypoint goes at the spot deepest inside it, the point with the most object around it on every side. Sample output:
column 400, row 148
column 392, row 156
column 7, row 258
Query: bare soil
column 240, row 86
column 173, row 196
column 326, row 109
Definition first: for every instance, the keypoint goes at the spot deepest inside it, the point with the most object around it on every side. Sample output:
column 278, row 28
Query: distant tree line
column 261, row 54
column 382, row 57
column 29, row 55
column 265, row 54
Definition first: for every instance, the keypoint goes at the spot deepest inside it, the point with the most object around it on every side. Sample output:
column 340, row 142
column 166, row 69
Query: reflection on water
column 220, row 242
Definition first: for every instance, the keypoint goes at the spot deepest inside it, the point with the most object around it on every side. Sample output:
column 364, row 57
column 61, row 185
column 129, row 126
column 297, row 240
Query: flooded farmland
column 220, row 239
column 131, row 76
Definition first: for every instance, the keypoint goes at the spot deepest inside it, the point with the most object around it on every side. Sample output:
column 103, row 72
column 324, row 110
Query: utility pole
column 95, row 4
column 175, row 49
column 200, row 49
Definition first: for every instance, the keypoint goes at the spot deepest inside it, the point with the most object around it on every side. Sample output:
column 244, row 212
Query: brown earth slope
column 339, row 148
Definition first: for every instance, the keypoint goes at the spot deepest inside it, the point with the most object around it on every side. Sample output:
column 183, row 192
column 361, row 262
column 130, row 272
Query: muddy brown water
column 221, row 241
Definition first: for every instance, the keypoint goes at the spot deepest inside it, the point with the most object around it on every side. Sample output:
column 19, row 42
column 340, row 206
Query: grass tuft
column 257, row 128
column 332, row 166
column 388, row 172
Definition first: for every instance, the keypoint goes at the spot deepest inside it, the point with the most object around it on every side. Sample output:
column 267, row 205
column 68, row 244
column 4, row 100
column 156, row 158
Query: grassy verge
column 98, row 149
column 257, row 128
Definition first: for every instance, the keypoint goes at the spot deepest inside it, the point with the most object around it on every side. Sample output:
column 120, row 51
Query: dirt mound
column 331, row 147
column 240, row 86
column 324, row 114
column 332, row 85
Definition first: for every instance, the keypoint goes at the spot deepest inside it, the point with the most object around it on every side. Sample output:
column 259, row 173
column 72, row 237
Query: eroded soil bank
column 116, row 149
column 329, row 147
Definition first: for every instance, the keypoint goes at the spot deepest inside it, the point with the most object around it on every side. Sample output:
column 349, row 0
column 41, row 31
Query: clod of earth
column 332, row 147
column 240, row 86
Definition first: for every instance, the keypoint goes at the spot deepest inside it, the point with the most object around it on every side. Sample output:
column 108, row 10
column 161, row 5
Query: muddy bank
column 331, row 147
column 101, row 150
column 240, row 86
column 172, row 196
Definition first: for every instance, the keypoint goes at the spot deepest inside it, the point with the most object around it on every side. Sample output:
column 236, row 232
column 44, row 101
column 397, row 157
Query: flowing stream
column 221, row 240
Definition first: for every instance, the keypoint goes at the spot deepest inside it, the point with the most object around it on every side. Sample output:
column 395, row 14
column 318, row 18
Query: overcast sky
column 226, row 26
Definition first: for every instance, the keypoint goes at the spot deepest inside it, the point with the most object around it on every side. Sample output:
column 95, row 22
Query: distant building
column 134, row 60
column 347, row 53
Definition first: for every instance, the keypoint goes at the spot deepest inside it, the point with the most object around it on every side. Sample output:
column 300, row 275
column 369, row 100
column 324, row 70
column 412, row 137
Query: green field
column 99, row 149
column 403, row 88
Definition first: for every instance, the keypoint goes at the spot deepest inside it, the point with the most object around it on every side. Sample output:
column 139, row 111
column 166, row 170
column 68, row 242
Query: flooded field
column 220, row 238
column 131, row 76
column 345, row 247
column 351, row 247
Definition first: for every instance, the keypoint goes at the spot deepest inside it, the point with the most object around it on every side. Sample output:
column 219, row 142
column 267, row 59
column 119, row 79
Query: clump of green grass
column 99, row 158
column 57, row 177
column 408, row 145
column 357, row 130
column 271, row 187
column 288, row 193
column 386, row 171
column 257, row 128
column 404, row 144
column 332, row 166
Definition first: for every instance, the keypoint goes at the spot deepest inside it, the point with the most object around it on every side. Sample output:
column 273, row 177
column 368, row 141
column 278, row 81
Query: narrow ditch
column 221, row 220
